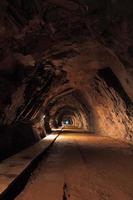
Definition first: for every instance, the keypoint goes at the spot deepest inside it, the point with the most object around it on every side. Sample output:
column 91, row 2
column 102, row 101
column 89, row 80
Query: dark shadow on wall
column 15, row 138
column 112, row 81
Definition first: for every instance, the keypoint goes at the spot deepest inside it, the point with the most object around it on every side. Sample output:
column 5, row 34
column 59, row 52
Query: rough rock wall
column 111, row 112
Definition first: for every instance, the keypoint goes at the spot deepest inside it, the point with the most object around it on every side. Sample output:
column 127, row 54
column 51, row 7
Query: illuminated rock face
column 52, row 49
column 113, row 114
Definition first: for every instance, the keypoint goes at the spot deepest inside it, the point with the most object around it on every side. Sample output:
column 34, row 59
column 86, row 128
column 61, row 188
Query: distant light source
column 67, row 122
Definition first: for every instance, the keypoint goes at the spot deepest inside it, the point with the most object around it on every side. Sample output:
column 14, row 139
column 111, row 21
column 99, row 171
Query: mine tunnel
column 66, row 100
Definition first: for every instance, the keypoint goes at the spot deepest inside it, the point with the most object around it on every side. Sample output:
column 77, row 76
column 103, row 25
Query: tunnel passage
column 68, row 105
column 66, row 117
column 47, row 51
column 66, row 69
column 71, row 115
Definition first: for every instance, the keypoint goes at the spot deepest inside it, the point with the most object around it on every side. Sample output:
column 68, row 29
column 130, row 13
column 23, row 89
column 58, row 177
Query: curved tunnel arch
column 70, row 111
column 85, row 114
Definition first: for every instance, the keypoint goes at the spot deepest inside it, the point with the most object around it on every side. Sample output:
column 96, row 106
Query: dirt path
column 83, row 167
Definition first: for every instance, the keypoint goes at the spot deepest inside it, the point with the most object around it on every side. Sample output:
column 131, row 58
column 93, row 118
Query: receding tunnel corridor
column 66, row 99
column 83, row 166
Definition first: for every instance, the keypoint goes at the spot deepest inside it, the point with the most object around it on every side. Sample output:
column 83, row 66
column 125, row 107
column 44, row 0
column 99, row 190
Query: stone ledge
column 16, row 165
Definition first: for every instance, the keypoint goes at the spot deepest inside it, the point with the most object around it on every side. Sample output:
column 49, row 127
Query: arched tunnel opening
column 66, row 79
column 68, row 117
column 69, row 107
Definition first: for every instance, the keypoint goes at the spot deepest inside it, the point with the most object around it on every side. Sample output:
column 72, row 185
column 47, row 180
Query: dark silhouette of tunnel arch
column 68, row 110
column 83, row 105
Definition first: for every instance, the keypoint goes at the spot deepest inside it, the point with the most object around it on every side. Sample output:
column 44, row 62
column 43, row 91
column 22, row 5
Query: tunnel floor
column 83, row 167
